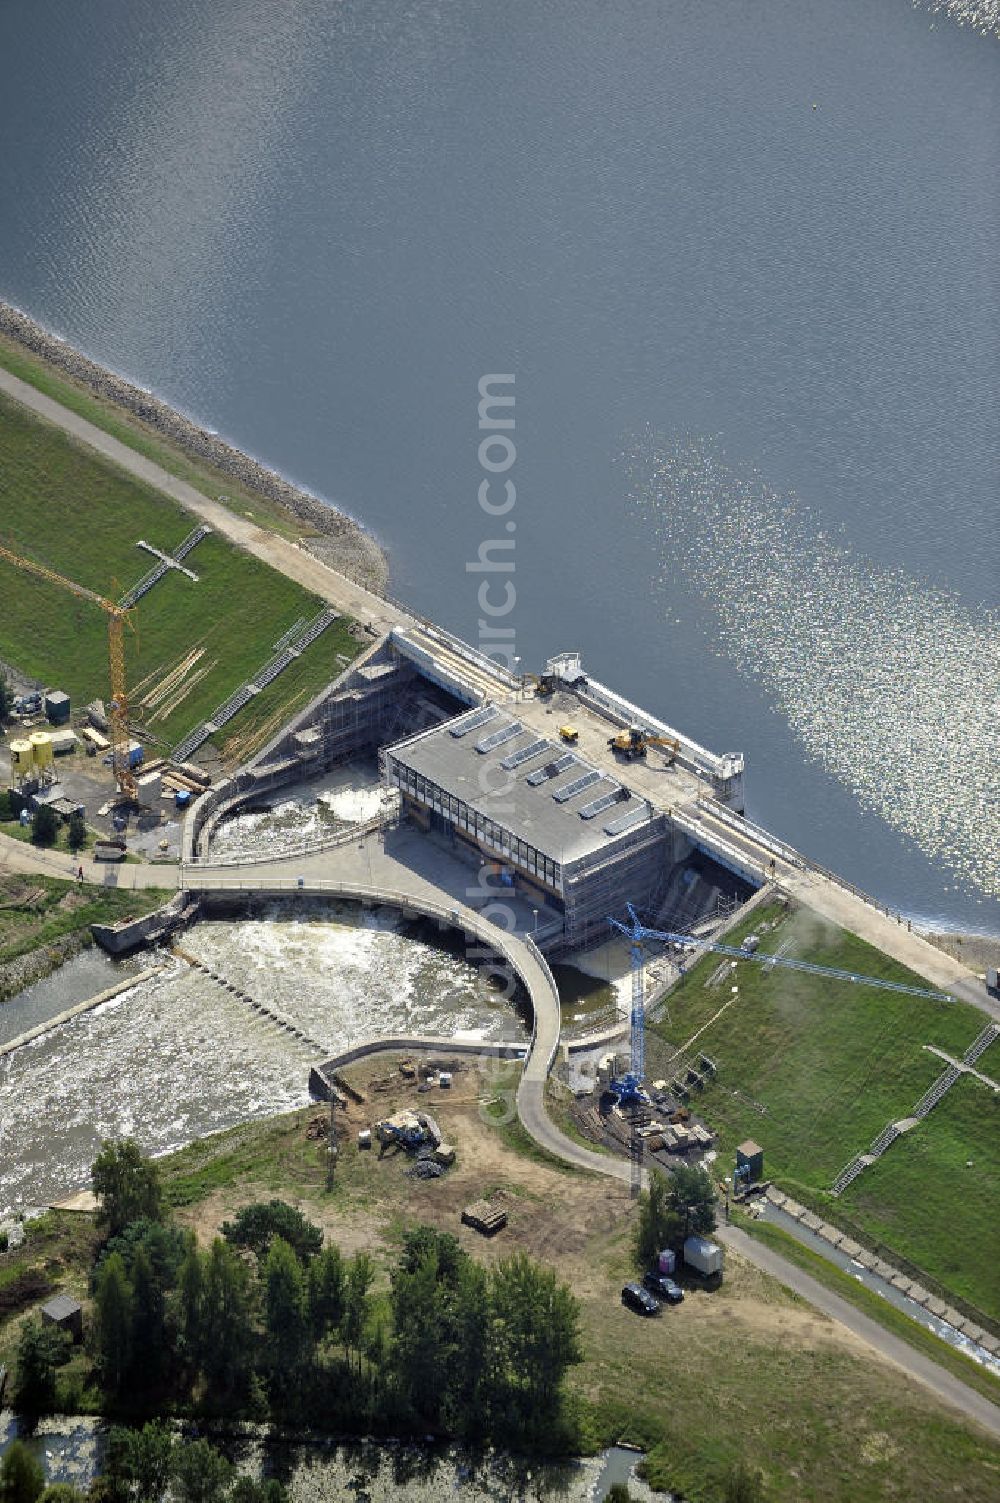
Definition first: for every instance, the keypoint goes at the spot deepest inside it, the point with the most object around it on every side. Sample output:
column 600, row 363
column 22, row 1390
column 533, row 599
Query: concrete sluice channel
column 302, row 814
column 179, row 1056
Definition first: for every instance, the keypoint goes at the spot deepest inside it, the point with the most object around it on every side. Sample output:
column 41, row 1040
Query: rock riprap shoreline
column 341, row 541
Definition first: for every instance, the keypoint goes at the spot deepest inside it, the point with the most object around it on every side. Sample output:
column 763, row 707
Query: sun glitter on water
column 892, row 685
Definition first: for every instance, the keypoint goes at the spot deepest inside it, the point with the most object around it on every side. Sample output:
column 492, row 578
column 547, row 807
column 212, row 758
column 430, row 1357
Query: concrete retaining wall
column 118, row 939
column 321, row 1076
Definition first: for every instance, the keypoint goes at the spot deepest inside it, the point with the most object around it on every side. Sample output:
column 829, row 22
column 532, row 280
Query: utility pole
column 331, row 1146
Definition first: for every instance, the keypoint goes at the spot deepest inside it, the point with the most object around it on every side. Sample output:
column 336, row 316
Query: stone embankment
column 25, row 970
column 341, row 542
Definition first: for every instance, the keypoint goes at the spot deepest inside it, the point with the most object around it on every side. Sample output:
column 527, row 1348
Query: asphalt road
column 365, row 606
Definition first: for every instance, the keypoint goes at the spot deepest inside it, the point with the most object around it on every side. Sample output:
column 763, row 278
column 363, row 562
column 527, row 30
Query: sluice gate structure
column 523, row 778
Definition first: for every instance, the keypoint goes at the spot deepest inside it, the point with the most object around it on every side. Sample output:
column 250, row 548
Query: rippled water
column 315, row 226
column 890, row 684
column 179, row 1056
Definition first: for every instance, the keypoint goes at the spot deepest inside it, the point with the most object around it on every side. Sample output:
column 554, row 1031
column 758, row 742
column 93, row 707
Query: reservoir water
column 742, row 260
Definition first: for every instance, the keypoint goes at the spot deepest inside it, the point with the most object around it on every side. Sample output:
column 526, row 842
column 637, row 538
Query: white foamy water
column 892, row 685
column 345, row 976
column 981, row 15
column 303, row 815
column 167, row 1062
column 179, row 1056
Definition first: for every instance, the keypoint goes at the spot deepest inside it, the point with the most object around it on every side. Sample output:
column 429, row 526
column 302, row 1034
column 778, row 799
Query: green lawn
column 832, row 1063
column 37, row 910
column 67, row 508
column 144, row 439
column 937, row 1193
column 17, row 831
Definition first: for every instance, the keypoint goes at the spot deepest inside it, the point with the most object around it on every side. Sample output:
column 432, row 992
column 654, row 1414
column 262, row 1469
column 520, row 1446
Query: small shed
column 57, row 707
column 750, row 1162
column 66, row 1313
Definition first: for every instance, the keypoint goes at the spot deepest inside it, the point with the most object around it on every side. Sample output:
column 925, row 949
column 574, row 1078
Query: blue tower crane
column 628, row 1087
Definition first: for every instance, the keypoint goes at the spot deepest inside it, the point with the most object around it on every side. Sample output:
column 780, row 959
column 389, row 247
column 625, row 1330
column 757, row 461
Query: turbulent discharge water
column 891, row 684
column 179, row 1056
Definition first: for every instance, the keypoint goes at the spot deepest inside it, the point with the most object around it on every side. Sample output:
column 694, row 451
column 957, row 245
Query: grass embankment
column 873, row 1305
column 35, row 911
column 821, row 1067
column 146, row 440
column 67, row 508
column 937, row 1194
column 748, row 1372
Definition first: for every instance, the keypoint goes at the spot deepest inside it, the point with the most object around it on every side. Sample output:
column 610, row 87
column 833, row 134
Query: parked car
column 663, row 1288
column 636, row 1298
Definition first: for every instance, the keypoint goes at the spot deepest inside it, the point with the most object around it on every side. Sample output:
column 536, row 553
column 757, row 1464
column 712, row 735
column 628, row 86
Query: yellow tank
column 41, row 749
column 21, row 760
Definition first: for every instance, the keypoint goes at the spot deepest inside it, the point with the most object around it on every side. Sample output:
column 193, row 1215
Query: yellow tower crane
column 117, row 616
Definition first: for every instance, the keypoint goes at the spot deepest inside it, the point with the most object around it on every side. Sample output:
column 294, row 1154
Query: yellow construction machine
column 634, row 743
column 544, row 683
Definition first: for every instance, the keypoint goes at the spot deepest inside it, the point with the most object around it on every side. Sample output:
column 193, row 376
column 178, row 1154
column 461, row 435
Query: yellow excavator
column 544, row 683
column 634, row 743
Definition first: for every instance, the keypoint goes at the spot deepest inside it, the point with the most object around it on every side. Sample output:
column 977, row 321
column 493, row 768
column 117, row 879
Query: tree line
column 271, row 1322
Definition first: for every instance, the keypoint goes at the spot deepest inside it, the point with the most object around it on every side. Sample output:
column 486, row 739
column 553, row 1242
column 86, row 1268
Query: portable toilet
column 22, row 763
column 667, row 1262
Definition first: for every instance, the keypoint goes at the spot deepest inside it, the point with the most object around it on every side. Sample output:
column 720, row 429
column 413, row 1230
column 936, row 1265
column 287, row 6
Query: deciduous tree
column 126, row 1184
column 41, row 1350
column 326, row 1292
column 44, row 826
column 21, row 1477
column 226, row 1338
column 113, row 1311
column 200, row 1474
column 358, row 1281
column 256, row 1227
column 285, row 1315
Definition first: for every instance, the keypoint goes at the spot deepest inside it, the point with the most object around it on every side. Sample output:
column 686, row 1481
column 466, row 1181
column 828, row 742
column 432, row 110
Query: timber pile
column 485, row 1216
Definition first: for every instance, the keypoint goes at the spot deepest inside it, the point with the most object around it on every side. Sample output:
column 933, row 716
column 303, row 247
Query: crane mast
column 117, row 616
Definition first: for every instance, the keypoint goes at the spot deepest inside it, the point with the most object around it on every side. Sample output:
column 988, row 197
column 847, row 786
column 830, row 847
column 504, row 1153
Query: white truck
column 704, row 1258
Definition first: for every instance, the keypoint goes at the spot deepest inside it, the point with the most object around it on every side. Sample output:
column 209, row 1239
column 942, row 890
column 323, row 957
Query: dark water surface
column 315, row 226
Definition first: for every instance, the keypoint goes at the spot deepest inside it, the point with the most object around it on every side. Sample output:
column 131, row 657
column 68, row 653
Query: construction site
column 383, row 842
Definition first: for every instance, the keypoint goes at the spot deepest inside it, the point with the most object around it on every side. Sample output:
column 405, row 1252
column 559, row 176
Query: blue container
column 182, row 798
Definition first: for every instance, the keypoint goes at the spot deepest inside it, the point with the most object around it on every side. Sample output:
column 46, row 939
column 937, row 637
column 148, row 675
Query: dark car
column 636, row 1298
column 664, row 1288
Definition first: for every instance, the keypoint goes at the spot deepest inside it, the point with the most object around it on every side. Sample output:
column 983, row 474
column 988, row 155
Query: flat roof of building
column 538, row 787
column 61, row 1307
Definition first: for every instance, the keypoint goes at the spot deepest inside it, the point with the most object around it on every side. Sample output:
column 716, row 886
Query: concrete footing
column 920, row 1296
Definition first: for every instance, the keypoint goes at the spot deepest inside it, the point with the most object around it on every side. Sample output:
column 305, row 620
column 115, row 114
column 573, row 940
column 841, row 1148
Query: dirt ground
column 577, row 1222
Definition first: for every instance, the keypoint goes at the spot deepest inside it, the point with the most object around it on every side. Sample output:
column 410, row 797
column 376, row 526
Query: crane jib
column 636, row 932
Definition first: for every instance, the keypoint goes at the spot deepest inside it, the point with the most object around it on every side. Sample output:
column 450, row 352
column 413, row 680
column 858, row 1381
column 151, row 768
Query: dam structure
column 518, row 778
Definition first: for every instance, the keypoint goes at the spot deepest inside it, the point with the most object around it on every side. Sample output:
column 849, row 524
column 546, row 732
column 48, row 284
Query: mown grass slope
column 67, row 508
column 814, row 1069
